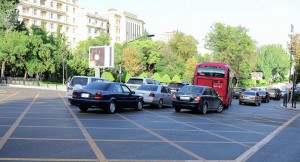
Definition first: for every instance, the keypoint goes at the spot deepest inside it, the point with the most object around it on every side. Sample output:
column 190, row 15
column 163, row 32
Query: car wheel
column 112, row 107
column 177, row 109
column 204, row 109
column 160, row 104
column 139, row 105
column 83, row 108
column 256, row 103
column 220, row 108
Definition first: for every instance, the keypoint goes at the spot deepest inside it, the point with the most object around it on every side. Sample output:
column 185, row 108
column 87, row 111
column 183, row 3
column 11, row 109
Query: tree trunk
column 3, row 68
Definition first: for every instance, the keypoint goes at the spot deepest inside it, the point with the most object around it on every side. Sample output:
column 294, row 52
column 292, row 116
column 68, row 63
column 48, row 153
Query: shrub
column 166, row 79
column 157, row 77
column 143, row 75
column 247, row 83
column 108, row 75
column 176, row 78
column 261, row 82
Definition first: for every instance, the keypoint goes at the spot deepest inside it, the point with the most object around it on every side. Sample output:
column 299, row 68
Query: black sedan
column 197, row 98
column 108, row 96
column 264, row 95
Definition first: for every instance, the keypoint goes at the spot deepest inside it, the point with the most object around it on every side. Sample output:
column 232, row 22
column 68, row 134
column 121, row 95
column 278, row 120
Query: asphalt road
column 39, row 125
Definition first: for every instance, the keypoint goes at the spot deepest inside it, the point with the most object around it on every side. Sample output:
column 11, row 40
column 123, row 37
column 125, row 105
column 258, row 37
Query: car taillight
column 197, row 98
column 174, row 95
column 74, row 94
column 151, row 94
column 98, row 95
column 252, row 98
column 241, row 96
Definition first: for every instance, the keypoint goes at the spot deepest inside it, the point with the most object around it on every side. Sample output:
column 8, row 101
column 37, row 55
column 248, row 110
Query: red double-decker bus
column 216, row 75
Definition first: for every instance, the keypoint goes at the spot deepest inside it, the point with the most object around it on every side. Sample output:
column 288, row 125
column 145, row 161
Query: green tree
column 108, row 75
column 13, row 48
column 131, row 59
column 273, row 61
column 9, row 14
column 148, row 54
column 232, row 45
column 190, row 66
column 166, row 79
column 157, row 77
column 143, row 75
column 184, row 46
column 176, row 78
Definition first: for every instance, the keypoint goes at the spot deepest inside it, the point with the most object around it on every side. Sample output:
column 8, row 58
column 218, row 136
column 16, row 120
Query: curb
column 289, row 107
column 54, row 88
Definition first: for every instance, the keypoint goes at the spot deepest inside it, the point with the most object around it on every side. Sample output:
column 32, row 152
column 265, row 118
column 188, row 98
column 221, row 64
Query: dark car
column 108, row 96
column 237, row 92
column 264, row 95
column 250, row 97
column 197, row 98
column 174, row 86
column 275, row 93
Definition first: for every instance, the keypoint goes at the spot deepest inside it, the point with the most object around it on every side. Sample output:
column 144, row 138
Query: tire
column 160, row 104
column 139, row 105
column 256, row 103
column 177, row 109
column 204, row 109
column 220, row 108
column 83, row 109
column 112, row 107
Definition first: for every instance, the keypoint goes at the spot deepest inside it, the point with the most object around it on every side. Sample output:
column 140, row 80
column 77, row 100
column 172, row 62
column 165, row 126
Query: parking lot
column 40, row 125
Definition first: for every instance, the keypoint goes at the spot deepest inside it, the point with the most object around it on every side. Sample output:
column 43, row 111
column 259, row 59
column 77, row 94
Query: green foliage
column 176, row 78
column 143, row 75
column 262, row 82
column 182, row 45
column 233, row 46
column 8, row 14
column 273, row 62
column 166, row 79
column 157, row 77
column 247, row 83
column 190, row 66
column 108, row 75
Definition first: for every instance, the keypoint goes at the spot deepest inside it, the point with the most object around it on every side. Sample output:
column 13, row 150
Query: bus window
column 211, row 71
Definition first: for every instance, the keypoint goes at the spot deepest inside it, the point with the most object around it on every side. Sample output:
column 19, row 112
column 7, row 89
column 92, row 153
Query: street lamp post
column 141, row 37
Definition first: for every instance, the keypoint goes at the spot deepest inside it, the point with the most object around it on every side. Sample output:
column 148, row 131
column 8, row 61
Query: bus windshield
column 211, row 71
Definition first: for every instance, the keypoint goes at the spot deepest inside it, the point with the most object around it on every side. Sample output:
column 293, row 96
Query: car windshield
column 261, row 92
column 147, row 88
column 81, row 81
column 98, row 86
column 194, row 89
column 135, row 81
column 249, row 93
column 211, row 71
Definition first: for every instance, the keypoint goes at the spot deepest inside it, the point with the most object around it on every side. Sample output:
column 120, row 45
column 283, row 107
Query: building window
column 74, row 10
column 51, row 15
column 51, row 26
column 43, row 2
column 90, row 21
column 34, row 1
column 67, row 29
column 35, row 12
column 67, row 8
column 34, row 22
column 74, row 20
column 74, row 30
column 52, row 4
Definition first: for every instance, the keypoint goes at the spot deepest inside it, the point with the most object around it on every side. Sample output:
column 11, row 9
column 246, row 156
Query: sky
column 268, row 21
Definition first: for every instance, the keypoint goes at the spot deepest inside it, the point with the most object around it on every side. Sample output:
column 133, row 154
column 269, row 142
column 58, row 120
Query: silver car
column 157, row 95
column 250, row 97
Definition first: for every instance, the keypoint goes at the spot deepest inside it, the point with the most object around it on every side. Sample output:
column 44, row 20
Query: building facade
column 51, row 14
column 76, row 23
column 124, row 26
column 90, row 24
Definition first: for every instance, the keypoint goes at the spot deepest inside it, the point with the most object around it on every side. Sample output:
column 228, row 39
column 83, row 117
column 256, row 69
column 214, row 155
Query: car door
column 215, row 98
column 166, row 95
column 207, row 94
column 128, row 99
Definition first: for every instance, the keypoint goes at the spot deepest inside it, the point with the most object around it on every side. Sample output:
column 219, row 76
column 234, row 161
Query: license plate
column 85, row 95
column 184, row 98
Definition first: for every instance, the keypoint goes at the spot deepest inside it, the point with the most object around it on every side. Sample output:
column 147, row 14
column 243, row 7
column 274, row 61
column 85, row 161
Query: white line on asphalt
column 245, row 156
